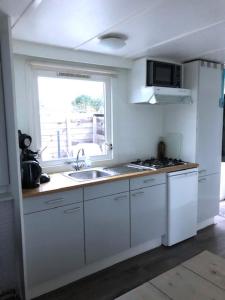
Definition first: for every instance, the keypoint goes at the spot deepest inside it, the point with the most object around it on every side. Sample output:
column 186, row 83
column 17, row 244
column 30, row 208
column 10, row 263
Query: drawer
column 145, row 181
column 44, row 202
column 106, row 189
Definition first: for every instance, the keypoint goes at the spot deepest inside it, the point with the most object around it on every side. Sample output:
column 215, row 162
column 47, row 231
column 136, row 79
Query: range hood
column 164, row 95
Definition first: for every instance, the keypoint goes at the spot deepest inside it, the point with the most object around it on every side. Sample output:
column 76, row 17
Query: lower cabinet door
column 107, row 226
column 54, row 241
column 208, row 196
column 148, row 214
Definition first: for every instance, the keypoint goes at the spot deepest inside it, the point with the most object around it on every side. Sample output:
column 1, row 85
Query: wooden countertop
column 59, row 182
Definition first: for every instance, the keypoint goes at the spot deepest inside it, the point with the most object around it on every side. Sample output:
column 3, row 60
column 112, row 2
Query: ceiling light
column 36, row 3
column 113, row 40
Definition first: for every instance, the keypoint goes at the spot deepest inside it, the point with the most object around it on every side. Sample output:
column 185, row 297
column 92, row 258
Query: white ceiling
column 173, row 29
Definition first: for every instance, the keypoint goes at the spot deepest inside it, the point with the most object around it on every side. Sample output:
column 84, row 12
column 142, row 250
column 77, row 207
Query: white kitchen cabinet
column 205, row 80
column 39, row 203
column 4, row 176
column 148, row 214
column 106, row 189
column 54, row 243
column 107, row 226
column 206, row 92
column 146, row 181
column 208, row 197
column 209, row 120
column 138, row 80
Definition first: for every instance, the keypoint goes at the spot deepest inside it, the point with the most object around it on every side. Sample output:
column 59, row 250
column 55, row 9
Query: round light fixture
column 113, row 40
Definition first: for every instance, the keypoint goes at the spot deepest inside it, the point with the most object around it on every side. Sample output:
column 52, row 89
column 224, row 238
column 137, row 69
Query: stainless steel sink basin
column 123, row 169
column 88, row 175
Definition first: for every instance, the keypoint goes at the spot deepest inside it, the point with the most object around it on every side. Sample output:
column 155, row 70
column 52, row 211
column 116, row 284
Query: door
column 208, row 197
column 54, row 242
column 148, row 214
column 210, row 120
column 107, row 226
column 4, row 177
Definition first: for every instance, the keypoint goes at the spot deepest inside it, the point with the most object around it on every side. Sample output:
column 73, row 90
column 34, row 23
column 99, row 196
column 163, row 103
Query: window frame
column 47, row 70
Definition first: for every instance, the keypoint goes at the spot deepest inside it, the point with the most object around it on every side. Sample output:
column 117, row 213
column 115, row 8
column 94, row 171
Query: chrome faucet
column 77, row 165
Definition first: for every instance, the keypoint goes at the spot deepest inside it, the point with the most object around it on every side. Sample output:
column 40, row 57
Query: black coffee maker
column 30, row 168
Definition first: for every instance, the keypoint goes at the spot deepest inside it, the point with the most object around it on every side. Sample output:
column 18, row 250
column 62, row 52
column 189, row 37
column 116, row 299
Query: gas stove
column 155, row 164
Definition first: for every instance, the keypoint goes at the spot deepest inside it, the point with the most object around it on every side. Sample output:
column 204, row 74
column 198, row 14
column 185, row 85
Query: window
column 74, row 113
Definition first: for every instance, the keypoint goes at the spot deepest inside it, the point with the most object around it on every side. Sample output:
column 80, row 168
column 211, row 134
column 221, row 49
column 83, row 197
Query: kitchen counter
column 59, row 182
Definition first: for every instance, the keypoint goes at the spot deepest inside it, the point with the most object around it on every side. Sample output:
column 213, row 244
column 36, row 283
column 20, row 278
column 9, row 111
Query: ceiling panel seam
column 175, row 38
column 30, row 4
column 140, row 12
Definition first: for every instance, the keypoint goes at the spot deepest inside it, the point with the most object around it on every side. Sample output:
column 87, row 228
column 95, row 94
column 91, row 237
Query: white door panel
column 182, row 207
column 210, row 121
column 54, row 242
column 107, row 226
column 4, row 176
column 148, row 214
column 208, row 196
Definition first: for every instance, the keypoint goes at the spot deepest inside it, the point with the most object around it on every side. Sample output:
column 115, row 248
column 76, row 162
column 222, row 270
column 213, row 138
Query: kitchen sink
column 123, row 169
column 88, row 175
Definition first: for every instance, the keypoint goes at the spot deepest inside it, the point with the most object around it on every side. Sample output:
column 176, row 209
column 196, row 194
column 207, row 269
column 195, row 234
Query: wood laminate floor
column 200, row 278
column 122, row 277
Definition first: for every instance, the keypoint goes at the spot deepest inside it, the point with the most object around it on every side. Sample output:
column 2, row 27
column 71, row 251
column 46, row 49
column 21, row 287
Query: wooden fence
column 62, row 136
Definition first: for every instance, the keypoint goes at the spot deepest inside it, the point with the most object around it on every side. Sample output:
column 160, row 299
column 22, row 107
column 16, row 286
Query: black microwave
column 163, row 74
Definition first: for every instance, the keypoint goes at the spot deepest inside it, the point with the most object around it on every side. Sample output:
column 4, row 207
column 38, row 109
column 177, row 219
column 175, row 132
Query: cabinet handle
column 149, row 180
column 138, row 193
column 201, row 180
column 71, row 210
column 120, row 197
column 54, row 201
column 202, row 171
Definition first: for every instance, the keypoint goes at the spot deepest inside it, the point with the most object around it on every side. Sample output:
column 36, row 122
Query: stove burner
column 154, row 163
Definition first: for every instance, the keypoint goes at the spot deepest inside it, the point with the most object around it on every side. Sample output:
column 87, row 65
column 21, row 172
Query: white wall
column 136, row 128
column 181, row 120
column 179, row 128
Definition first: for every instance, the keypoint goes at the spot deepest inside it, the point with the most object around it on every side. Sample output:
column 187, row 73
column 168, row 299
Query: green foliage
column 85, row 102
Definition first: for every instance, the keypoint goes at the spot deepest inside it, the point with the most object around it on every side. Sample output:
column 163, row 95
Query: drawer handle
column 54, row 201
column 149, row 180
column 138, row 193
column 201, row 180
column 71, row 210
column 120, row 197
column 202, row 171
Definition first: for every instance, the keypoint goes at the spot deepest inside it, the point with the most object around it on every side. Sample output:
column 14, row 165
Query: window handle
column 109, row 146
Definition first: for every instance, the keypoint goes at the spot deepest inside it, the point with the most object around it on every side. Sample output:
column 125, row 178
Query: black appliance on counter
column 31, row 171
column 31, row 174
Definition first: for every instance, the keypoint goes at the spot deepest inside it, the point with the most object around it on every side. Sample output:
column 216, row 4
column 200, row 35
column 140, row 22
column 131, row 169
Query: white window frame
column 34, row 70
